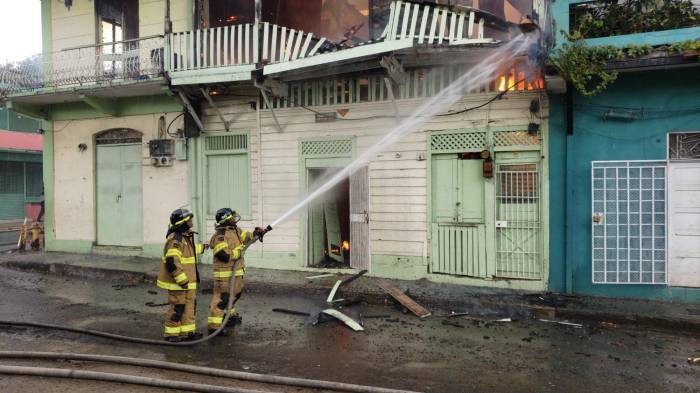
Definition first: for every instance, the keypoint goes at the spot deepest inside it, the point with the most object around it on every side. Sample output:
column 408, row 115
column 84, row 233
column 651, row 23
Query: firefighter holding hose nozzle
column 228, row 246
column 178, row 275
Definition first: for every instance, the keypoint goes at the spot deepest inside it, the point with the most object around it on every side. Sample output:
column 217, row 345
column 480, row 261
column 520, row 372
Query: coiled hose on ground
column 213, row 372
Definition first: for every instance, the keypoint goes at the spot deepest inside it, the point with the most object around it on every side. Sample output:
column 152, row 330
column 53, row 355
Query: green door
column 317, row 225
column 458, row 230
column 119, row 195
column 11, row 190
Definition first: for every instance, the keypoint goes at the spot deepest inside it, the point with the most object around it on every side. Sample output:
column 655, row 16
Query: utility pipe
column 213, row 372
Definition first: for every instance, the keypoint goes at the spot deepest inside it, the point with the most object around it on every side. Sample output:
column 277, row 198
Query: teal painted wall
column 595, row 139
column 560, row 14
column 557, row 192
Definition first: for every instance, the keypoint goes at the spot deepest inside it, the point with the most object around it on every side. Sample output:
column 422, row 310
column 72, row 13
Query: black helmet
column 226, row 216
column 179, row 218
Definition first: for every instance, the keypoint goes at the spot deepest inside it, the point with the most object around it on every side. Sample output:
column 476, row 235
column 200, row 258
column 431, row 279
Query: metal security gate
column 518, row 225
column 629, row 222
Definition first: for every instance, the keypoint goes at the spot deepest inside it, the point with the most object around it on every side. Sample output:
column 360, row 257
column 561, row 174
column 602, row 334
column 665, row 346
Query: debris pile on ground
column 340, row 309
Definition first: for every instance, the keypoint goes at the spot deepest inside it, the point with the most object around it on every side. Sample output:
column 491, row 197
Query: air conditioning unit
column 162, row 161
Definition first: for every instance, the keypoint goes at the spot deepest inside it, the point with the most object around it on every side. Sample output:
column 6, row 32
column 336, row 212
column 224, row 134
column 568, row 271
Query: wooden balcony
column 231, row 53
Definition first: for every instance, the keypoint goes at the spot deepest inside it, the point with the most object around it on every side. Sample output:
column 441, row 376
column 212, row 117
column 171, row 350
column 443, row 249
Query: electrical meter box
column 161, row 147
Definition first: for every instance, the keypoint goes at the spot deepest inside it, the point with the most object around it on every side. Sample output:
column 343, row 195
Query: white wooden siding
column 398, row 185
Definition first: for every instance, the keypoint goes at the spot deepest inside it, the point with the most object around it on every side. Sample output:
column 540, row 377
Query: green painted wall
column 131, row 106
column 11, row 121
column 671, row 100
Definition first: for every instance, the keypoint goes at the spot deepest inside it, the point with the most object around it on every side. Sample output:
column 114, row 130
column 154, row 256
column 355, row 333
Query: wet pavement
column 400, row 351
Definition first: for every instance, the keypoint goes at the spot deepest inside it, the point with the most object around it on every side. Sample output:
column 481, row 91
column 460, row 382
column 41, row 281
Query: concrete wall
column 75, row 27
column 78, row 26
column 152, row 13
column 164, row 188
column 663, row 93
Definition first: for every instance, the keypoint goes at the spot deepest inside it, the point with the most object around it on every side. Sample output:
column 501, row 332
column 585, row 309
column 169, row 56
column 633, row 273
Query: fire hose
column 139, row 362
column 231, row 298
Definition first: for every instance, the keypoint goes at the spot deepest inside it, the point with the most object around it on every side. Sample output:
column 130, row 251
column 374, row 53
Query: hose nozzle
column 260, row 232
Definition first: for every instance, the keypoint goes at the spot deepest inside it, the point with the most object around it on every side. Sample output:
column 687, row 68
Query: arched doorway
column 119, row 187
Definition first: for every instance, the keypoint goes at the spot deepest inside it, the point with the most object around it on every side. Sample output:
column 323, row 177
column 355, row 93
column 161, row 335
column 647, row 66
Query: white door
column 684, row 224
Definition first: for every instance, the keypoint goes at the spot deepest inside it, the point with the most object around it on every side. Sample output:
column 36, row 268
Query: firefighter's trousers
column 220, row 297
column 180, row 319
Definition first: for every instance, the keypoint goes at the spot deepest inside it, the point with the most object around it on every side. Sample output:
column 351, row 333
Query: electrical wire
column 167, row 130
column 496, row 97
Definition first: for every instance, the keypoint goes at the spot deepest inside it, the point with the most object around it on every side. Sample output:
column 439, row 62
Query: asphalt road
column 400, row 351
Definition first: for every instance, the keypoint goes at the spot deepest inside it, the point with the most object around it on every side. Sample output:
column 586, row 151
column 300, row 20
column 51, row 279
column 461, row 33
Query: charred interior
column 329, row 224
column 353, row 21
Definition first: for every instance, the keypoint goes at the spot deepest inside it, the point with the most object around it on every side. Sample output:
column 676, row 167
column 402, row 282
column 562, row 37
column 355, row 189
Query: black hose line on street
column 137, row 340
column 213, row 372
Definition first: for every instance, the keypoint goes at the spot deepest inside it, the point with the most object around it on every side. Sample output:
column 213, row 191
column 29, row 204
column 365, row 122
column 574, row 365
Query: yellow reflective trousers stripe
column 188, row 328
column 187, row 260
column 174, row 287
column 215, row 320
column 219, row 247
column 240, row 272
column 172, row 330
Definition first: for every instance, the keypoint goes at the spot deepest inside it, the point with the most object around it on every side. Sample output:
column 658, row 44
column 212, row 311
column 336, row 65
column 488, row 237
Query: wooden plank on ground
column 344, row 318
column 402, row 298
column 333, row 291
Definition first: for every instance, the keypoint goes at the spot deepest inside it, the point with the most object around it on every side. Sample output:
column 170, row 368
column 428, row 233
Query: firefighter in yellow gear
column 228, row 245
column 178, row 275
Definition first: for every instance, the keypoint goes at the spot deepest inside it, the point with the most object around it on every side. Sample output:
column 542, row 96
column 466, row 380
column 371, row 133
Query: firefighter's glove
column 237, row 252
column 259, row 233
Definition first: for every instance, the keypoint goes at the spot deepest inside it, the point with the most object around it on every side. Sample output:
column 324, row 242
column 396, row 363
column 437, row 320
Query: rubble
column 291, row 312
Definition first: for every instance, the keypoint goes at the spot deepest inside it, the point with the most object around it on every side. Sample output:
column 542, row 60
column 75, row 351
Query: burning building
column 253, row 104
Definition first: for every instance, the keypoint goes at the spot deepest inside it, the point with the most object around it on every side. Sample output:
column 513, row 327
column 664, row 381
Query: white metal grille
column 629, row 222
column 684, row 146
column 518, row 235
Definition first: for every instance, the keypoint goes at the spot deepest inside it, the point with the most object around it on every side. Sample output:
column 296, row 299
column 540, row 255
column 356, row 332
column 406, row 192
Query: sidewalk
column 440, row 298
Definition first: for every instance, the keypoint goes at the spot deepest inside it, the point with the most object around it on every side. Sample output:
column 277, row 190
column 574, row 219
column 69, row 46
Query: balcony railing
column 239, row 45
column 108, row 63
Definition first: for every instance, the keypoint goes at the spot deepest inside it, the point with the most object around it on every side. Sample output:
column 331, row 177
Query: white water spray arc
column 444, row 99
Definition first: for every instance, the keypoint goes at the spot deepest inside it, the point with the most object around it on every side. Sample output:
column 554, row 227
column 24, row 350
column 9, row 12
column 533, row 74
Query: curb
column 319, row 290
